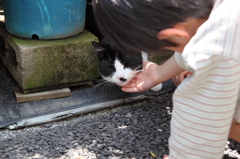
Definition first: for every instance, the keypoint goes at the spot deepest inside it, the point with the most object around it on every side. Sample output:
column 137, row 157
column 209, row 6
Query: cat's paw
column 157, row 88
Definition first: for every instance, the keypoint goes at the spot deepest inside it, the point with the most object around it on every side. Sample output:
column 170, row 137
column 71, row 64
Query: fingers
column 130, row 85
column 176, row 80
column 129, row 89
column 189, row 74
column 179, row 78
column 183, row 75
column 133, row 87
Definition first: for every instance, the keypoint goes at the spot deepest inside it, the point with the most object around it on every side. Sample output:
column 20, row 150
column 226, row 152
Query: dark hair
column 134, row 24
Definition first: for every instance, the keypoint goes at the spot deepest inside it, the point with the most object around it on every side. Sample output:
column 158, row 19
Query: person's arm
column 153, row 75
column 180, row 77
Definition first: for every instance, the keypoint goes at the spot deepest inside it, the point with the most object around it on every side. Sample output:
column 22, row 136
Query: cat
column 117, row 67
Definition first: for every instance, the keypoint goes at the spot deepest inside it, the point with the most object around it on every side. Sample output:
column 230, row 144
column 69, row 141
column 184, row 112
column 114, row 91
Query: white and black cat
column 117, row 67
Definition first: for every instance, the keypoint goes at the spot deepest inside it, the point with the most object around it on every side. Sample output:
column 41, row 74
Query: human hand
column 145, row 79
column 179, row 78
column 165, row 157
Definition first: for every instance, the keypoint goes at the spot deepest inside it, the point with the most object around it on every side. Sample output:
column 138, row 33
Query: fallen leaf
column 153, row 155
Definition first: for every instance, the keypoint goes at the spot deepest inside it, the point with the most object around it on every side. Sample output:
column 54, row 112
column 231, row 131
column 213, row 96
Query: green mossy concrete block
column 47, row 63
column 161, row 57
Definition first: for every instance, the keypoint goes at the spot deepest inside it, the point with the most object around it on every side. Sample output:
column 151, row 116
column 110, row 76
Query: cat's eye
column 111, row 66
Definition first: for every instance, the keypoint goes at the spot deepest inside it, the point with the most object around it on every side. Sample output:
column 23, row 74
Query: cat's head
column 117, row 67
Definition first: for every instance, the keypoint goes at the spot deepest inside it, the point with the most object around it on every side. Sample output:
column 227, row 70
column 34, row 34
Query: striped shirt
column 206, row 102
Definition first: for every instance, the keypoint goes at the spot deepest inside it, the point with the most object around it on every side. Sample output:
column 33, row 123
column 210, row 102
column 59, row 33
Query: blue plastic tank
column 44, row 19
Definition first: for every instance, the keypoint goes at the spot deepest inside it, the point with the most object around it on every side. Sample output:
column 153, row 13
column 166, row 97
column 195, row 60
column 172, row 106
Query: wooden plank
column 60, row 93
column 55, row 87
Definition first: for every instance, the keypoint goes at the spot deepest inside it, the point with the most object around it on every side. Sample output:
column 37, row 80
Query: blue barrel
column 44, row 19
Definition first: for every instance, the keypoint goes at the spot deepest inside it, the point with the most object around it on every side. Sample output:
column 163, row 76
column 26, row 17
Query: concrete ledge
column 37, row 63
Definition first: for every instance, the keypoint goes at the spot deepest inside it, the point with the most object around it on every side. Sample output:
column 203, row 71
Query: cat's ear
column 100, row 49
column 97, row 46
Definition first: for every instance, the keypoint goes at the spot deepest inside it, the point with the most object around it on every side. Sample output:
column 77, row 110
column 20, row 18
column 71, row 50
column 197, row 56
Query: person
column 205, row 35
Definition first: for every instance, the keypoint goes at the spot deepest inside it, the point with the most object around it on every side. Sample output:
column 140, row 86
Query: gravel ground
column 129, row 131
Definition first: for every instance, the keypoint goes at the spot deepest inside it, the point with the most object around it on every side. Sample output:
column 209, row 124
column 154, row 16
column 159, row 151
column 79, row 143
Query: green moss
column 160, row 58
column 60, row 61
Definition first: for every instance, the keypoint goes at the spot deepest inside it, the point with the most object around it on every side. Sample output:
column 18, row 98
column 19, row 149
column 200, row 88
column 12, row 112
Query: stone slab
column 22, row 98
column 39, row 64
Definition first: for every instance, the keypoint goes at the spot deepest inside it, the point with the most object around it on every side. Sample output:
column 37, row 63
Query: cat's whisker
column 109, row 87
column 138, row 67
column 108, row 84
column 136, row 72
column 103, row 82
column 106, row 87
column 143, row 70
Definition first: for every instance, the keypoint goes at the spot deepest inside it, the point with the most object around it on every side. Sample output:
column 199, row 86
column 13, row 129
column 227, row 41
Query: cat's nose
column 122, row 79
